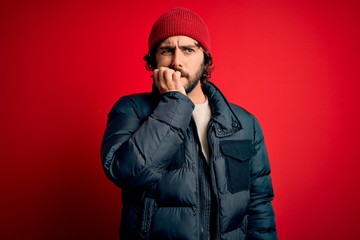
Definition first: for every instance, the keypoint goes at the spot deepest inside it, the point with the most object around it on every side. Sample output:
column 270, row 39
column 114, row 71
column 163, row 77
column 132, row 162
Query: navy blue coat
column 151, row 150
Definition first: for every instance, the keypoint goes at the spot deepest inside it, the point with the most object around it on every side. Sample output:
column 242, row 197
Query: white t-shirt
column 201, row 116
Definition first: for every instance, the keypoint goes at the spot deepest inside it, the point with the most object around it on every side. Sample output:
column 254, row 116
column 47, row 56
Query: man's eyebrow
column 170, row 46
column 193, row 45
column 188, row 46
column 166, row 47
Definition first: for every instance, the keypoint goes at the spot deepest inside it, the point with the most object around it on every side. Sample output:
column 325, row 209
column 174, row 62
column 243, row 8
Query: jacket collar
column 223, row 117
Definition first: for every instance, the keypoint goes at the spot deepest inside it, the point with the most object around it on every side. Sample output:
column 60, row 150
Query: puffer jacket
column 151, row 150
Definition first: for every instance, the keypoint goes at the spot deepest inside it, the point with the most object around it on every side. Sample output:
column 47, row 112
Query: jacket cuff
column 175, row 109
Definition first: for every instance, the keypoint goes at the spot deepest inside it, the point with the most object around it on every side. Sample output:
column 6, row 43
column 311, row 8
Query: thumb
column 177, row 81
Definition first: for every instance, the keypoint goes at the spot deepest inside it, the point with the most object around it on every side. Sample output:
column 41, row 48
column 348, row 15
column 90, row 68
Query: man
column 190, row 164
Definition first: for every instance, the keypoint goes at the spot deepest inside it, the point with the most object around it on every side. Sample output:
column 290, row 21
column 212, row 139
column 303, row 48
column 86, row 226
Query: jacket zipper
column 199, row 181
column 217, row 236
column 149, row 208
column 213, row 182
column 201, row 199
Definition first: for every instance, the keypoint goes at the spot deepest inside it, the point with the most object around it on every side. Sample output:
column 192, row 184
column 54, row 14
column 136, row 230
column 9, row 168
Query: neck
column 197, row 96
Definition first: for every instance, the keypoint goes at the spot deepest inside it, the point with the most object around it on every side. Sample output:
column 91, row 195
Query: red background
column 294, row 64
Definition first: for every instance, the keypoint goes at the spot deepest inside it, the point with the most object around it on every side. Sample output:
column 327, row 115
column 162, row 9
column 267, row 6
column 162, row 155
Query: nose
column 176, row 59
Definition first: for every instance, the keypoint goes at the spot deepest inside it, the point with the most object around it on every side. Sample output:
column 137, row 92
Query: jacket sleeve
column 137, row 150
column 261, row 214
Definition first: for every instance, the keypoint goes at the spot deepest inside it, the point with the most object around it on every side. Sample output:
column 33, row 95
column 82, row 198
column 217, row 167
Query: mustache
column 183, row 73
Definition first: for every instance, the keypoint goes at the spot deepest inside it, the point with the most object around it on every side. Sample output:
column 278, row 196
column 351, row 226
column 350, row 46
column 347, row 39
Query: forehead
column 178, row 41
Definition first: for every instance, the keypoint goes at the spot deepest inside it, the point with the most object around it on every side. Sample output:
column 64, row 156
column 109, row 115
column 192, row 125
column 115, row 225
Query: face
column 183, row 54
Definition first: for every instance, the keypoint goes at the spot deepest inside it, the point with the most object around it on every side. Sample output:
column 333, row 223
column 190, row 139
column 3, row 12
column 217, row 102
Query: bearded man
column 190, row 164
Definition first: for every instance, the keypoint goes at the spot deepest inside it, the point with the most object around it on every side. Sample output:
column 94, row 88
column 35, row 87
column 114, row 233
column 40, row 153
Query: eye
column 165, row 51
column 189, row 50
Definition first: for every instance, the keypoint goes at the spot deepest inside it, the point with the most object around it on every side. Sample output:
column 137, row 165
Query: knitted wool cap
column 179, row 21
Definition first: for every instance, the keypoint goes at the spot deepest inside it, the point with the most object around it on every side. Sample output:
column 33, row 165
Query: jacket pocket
column 237, row 155
column 148, row 213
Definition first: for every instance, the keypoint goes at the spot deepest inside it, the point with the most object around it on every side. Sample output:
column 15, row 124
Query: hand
column 168, row 80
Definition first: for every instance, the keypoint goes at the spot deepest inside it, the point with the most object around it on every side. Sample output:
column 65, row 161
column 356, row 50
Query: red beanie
column 179, row 21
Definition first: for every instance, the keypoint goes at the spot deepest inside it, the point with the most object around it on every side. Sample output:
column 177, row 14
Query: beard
column 194, row 80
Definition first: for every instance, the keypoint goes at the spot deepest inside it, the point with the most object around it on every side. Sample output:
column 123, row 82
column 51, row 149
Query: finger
column 177, row 81
column 162, row 80
column 156, row 75
column 157, row 80
column 160, row 74
column 176, row 76
column 168, row 78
